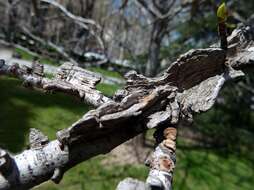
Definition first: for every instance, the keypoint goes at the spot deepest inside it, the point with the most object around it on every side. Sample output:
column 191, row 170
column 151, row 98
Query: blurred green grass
column 106, row 72
column 21, row 109
column 27, row 56
column 107, row 89
column 45, row 60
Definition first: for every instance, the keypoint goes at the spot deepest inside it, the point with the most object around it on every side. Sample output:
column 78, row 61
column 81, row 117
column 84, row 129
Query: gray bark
column 191, row 85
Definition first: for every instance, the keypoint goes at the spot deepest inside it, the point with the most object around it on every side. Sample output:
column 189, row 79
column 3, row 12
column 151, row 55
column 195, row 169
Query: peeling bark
column 163, row 160
column 191, row 85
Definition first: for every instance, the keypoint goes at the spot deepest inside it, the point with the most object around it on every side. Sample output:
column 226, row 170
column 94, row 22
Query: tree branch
column 69, row 79
column 58, row 49
column 83, row 22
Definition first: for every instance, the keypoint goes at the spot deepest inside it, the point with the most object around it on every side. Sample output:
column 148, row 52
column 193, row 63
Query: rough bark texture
column 189, row 86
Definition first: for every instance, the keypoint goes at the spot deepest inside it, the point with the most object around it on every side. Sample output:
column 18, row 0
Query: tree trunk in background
column 158, row 32
column 37, row 18
column 87, row 11
column 159, row 29
column 11, row 23
column 153, row 62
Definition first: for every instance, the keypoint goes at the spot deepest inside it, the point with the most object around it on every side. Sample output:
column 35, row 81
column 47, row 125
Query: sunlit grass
column 27, row 56
column 107, row 89
column 106, row 72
